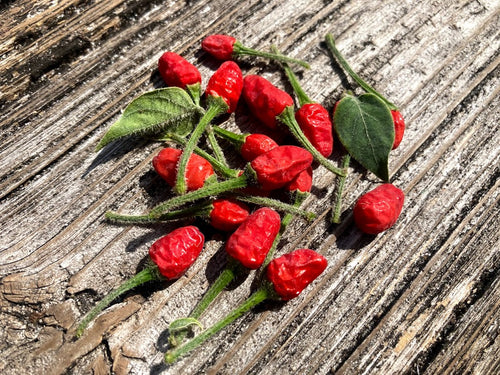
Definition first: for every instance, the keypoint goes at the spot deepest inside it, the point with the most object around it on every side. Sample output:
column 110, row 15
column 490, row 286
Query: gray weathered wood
column 421, row 298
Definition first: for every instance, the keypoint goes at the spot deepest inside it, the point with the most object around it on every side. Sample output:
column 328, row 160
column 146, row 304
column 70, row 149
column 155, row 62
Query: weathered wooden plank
column 439, row 61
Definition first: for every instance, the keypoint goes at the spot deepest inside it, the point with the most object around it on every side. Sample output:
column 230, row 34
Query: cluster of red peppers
column 206, row 187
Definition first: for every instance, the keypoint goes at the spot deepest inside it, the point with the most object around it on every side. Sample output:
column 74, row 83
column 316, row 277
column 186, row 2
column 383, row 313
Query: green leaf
column 365, row 127
column 182, row 324
column 168, row 109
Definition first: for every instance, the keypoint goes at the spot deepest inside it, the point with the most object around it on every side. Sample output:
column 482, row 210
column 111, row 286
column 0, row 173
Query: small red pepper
column 291, row 273
column 315, row 122
column 378, row 210
column 228, row 214
column 265, row 100
column 255, row 145
column 399, row 127
column 177, row 71
column 225, row 47
column 253, row 239
column 226, row 83
column 177, row 251
column 302, row 182
column 281, row 165
column 198, row 169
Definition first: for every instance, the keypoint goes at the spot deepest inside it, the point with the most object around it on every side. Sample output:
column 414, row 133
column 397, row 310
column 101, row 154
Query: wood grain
column 421, row 298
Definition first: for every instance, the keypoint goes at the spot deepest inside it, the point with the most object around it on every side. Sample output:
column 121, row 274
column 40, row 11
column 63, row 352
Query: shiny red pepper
column 219, row 46
column 315, row 122
column 265, row 100
column 278, row 167
column 177, row 251
column 399, row 127
column 255, row 145
column 253, row 239
column 177, row 71
column 302, row 182
column 198, row 169
column 228, row 214
column 291, row 273
column 226, row 83
column 378, row 210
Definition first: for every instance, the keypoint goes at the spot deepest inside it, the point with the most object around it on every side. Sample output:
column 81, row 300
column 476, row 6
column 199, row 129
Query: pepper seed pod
column 253, row 239
column 291, row 273
column 177, row 71
column 379, row 209
column 226, row 83
column 228, row 214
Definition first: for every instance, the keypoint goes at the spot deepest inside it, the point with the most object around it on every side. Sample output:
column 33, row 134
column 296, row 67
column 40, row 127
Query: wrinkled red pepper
column 226, row 83
column 253, row 239
column 315, row 122
column 378, row 210
column 291, row 273
column 198, row 169
column 228, row 214
column 177, row 71
column 255, row 145
column 399, row 127
column 302, row 182
column 177, row 251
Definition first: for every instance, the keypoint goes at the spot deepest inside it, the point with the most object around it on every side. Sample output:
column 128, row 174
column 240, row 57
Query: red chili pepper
column 255, row 145
column 302, row 182
column 198, row 169
column 378, row 210
column 177, row 71
column 228, row 214
column 265, row 100
column 177, row 251
column 278, row 167
column 399, row 127
column 253, row 239
column 227, row 83
column 225, row 47
column 293, row 272
column 315, row 122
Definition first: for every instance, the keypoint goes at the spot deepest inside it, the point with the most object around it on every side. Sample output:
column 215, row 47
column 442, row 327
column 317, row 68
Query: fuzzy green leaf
column 365, row 127
column 159, row 111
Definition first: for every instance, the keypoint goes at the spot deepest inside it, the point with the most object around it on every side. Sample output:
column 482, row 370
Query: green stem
column 239, row 49
column 288, row 118
column 216, row 107
column 148, row 274
column 219, row 154
column 218, row 166
column 278, row 205
column 200, row 210
column 236, row 139
column 195, row 92
column 340, row 191
column 252, row 301
column 292, row 78
column 330, row 42
column 226, row 277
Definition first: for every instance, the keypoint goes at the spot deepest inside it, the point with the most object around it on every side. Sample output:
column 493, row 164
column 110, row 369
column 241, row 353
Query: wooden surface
column 422, row 298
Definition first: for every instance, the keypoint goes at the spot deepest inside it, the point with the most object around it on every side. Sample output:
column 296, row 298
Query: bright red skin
column 255, row 145
column 302, row 182
column 177, row 71
column 219, row 46
column 228, row 214
column 315, row 122
column 177, row 251
column 293, row 272
column 378, row 210
column 253, row 239
column 265, row 100
column 399, row 127
column 227, row 83
column 197, row 170
column 278, row 167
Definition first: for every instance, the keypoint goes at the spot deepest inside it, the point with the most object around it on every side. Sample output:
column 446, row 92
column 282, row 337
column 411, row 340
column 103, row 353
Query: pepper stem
column 240, row 49
column 218, row 166
column 195, row 92
column 226, row 276
column 148, row 274
column 340, row 191
column 278, row 205
column 292, row 78
column 216, row 107
column 257, row 297
column 236, row 139
column 288, row 118
column 330, row 42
